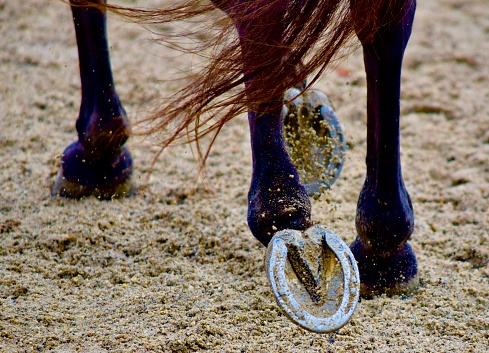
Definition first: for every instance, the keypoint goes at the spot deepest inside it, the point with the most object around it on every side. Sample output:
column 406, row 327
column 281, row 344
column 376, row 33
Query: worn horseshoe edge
column 276, row 259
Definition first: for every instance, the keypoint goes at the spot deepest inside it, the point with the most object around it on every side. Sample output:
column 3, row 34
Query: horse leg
column 276, row 199
column 98, row 163
column 385, row 217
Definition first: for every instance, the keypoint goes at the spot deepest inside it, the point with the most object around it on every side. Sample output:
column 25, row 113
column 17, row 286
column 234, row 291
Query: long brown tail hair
column 315, row 33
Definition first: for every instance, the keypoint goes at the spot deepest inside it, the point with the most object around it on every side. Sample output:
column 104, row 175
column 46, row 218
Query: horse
column 273, row 52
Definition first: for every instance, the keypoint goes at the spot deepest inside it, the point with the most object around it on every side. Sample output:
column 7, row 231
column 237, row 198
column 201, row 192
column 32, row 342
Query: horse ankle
column 384, row 224
column 276, row 199
column 103, row 132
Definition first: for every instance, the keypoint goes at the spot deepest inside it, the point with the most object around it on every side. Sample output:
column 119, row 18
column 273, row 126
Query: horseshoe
column 314, row 278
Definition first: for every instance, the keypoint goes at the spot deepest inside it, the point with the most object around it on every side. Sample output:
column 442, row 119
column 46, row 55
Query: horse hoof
column 79, row 177
column 314, row 278
column 315, row 140
column 64, row 188
column 394, row 275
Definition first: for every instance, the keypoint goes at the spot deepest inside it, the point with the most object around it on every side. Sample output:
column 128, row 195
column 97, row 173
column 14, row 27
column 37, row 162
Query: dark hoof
column 315, row 140
column 103, row 178
column 397, row 274
column 277, row 208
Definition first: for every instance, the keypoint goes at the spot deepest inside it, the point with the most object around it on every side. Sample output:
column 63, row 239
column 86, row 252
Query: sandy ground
column 176, row 268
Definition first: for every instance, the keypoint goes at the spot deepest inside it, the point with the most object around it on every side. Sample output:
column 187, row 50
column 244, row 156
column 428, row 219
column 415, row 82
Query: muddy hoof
column 315, row 140
column 105, row 179
column 397, row 274
column 314, row 278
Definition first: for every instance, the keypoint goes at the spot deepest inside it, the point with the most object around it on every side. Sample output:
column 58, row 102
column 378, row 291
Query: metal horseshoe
column 314, row 278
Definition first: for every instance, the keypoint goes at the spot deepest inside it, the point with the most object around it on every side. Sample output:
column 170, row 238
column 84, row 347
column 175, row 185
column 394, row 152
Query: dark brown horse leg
column 385, row 217
column 98, row 163
column 276, row 199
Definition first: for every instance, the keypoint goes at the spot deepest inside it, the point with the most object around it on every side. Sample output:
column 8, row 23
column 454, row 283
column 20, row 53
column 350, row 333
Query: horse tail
column 316, row 33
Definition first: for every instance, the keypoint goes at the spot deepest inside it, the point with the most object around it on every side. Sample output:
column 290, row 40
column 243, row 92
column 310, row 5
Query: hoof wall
column 81, row 175
column 64, row 188
column 395, row 275
column 314, row 278
column 402, row 288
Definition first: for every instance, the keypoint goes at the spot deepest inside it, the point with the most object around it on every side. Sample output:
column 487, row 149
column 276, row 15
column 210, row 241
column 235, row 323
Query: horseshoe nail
column 314, row 278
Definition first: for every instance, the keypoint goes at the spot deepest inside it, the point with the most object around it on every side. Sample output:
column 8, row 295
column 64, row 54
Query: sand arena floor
column 175, row 268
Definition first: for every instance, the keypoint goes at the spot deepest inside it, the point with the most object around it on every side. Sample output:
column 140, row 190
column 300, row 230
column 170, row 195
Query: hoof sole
column 315, row 140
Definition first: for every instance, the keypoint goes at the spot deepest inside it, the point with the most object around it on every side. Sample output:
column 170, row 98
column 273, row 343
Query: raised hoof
column 272, row 209
column 315, row 140
column 104, row 179
column 314, row 277
column 394, row 275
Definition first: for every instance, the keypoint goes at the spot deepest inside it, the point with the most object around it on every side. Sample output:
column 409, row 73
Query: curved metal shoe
column 315, row 140
column 314, row 277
